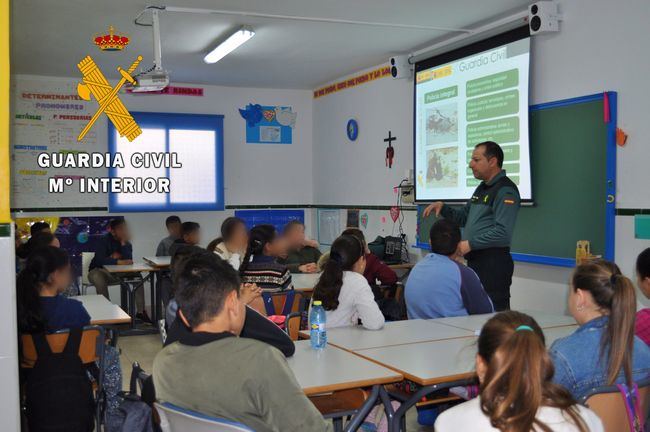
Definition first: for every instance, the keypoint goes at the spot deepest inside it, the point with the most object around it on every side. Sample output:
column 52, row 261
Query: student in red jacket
column 376, row 269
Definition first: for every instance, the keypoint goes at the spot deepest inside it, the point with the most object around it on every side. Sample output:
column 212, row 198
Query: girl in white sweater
column 345, row 293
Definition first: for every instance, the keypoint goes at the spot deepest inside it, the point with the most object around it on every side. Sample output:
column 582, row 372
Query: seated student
column 344, row 292
column 43, row 308
column 203, row 368
column 173, row 225
column 439, row 286
column 22, row 251
column 114, row 248
column 232, row 244
column 376, row 269
column 516, row 393
column 256, row 326
column 603, row 350
column 190, row 236
column 260, row 265
column 642, row 327
column 303, row 254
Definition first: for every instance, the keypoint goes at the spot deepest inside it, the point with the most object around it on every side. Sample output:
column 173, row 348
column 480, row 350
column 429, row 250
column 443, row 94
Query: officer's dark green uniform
column 489, row 220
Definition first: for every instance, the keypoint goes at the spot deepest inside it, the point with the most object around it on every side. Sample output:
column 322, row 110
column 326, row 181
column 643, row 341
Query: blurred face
column 482, row 167
column 193, row 238
column 644, row 285
column 174, row 229
column 55, row 243
column 61, row 278
column 295, row 236
column 277, row 248
column 122, row 232
column 240, row 237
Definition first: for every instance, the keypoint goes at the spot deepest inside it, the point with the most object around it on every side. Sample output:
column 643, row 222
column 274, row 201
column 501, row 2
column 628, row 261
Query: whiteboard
column 47, row 116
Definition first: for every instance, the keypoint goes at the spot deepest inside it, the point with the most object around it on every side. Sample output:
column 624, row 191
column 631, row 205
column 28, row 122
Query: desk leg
column 152, row 287
column 365, row 409
column 395, row 424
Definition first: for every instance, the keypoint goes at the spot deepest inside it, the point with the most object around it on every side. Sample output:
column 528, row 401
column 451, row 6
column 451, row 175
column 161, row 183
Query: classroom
column 289, row 215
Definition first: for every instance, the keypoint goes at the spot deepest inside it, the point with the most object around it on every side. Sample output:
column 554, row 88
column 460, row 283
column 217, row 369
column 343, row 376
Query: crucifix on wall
column 390, row 150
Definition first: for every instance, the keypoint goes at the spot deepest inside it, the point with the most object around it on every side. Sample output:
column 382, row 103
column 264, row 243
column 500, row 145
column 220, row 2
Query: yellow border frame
column 5, row 174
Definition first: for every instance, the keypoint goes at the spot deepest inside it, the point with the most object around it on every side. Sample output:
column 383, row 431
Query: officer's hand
column 436, row 207
column 464, row 248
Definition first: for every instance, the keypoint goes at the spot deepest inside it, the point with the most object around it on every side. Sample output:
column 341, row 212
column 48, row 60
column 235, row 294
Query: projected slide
column 460, row 103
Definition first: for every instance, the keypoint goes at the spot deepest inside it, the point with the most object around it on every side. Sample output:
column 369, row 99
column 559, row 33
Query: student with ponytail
column 260, row 265
column 603, row 350
column 643, row 277
column 516, row 392
column 344, row 292
column 41, row 307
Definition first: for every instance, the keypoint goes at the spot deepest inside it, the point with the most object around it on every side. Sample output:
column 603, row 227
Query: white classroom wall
column 600, row 47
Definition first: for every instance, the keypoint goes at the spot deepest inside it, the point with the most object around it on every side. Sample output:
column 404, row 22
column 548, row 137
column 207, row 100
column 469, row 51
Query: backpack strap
column 42, row 347
column 74, row 341
column 632, row 407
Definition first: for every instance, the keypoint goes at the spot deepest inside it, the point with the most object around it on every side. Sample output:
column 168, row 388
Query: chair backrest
column 90, row 349
column 292, row 325
column 608, row 403
column 86, row 258
column 176, row 419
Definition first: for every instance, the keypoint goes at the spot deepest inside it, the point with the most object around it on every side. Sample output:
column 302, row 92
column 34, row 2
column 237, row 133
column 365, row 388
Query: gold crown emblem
column 111, row 41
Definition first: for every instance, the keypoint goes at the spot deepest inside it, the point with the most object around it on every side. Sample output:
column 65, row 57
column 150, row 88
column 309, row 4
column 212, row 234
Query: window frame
column 167, row 121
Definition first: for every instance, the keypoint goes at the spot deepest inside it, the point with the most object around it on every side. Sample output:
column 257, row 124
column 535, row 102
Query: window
column 197, row 143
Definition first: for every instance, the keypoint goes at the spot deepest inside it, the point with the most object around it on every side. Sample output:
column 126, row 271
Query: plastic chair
column 177, row 419
column 91, row 351
column 608, row 403
column 292, row 325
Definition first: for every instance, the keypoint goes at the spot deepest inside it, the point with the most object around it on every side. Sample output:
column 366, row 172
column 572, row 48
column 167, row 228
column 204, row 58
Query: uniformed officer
column 489, row 220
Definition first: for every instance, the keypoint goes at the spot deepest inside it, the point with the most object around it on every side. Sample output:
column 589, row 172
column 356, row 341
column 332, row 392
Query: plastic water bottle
column 317, row 318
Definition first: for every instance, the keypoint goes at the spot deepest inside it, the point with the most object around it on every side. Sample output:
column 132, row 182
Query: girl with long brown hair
column 603, row 350
column 517, row 394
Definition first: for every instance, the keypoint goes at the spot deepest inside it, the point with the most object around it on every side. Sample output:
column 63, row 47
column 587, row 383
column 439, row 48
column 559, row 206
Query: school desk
column 161, row 266
column 474, row 323
column 102, row 311
column 394, row 333
column 333, row 369
column 304, row 282
column 436, row 365
column 130, row 274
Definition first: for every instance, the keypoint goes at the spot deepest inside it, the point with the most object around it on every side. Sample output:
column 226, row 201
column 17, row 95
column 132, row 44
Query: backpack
column 59, row 395
column 135, row 411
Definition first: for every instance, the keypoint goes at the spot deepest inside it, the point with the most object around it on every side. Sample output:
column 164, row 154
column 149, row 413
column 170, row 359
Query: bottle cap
column 317, row 303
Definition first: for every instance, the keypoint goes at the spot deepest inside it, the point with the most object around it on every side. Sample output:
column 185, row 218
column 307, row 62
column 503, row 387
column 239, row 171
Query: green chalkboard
column 573, row 170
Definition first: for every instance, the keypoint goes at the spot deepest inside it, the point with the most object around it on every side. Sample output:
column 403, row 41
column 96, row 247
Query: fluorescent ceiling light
column 232, row 43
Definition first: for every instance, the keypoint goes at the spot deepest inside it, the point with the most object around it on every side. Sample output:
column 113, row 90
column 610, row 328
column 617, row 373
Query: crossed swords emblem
column 95, row 84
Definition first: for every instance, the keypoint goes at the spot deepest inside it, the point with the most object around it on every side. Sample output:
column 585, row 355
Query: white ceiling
column 49, row 37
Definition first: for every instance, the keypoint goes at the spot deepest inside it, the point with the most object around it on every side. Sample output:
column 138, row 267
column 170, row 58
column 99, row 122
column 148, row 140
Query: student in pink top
column 642, row 329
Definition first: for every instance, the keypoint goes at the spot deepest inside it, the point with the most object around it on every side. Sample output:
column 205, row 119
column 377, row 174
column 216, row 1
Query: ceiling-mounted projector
column 156, row 78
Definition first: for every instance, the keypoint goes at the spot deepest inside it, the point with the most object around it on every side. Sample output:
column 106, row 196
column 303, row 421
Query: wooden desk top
column 102, row 311
column 332, row 369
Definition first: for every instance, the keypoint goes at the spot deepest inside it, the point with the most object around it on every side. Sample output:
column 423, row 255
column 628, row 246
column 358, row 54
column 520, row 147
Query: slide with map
column 480, row 95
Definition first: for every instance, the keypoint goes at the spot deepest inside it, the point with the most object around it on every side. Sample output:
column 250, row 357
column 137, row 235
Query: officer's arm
column 458, row 215
column 506, row 207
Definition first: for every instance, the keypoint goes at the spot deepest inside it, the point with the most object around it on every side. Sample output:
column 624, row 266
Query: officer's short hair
column 492, row 149
column 444, row 237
